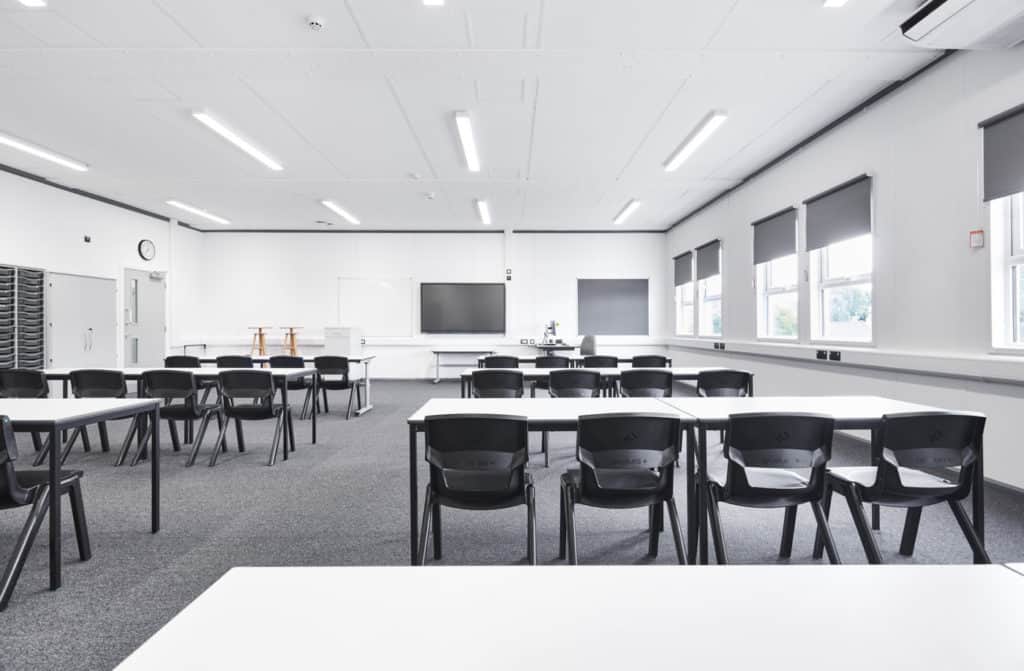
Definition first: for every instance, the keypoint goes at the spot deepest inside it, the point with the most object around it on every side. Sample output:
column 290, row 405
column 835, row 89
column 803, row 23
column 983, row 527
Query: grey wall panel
column 613, row 307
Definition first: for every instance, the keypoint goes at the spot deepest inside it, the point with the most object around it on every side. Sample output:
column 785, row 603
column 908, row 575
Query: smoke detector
column 316, row 23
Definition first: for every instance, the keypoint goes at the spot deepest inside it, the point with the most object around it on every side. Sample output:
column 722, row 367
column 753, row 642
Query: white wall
column 931, row 306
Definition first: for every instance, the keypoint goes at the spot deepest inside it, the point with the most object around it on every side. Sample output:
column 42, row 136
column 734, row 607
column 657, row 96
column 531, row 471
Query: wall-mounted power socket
column 719, row 345
column 822, row 354
column 524, row 341
column 834, row 356
column 532, row 341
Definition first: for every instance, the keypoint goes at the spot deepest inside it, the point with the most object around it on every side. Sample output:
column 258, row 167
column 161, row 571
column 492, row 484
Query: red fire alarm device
column 977, row 238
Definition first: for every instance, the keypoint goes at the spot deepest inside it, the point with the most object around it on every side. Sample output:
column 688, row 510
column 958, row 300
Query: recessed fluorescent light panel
column 33, row 3
column 632, row 206
column 465, row 128
column 433, row 3
column 39, row 152
column 199, row 212
column 835, row 4
column 337, row 209
column 704, row 130
column 485, row 212
column 234, row 138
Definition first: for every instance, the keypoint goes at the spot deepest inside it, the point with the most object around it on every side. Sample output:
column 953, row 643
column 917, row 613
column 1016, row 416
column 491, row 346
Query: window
column 1007, row 216
column 684, row 309
column 843, row 290
column 778, row 298
column 711, row 305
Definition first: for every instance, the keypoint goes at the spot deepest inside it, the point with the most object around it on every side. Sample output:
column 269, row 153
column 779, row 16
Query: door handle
column 90, row 338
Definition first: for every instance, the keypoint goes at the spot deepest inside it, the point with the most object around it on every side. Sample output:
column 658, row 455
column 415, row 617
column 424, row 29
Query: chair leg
column 239, row 435
column 788, row 528
column 428, row 508
column 655, row 532
column 561, row 523
column 86, row 443
column 910, row 527
column 826, row 533
column 570, row 526
column 197, row 441
column 436, row 530
column 45, row 452
column 278, row 429
column 544, row 448
column 142, row 444
column 677, row 536
column 717, row 537
column 351, row 395
column 172, row 426
column 23, row 545
column 863, row 529
column 323, row 392
column 826, row 507
column 969, row 533
column 290, row 425
column 78, row 516
column 104, row 437
column 220, row 439
column 71, row 443
column 127, row 443
column 37, row 441
column 531, row 526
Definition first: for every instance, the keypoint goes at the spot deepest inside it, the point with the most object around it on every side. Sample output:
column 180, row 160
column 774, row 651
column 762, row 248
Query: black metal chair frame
column 570, row 383
column 485, row 391
column 180, row 394
column 287, row 361
column 638, row 383
column 336, row 366
column 81, row 387
column 249, row 395
column 26, row 383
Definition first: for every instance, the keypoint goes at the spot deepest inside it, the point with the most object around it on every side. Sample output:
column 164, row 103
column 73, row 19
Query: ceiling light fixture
column 236, row 139
column 695, row 139
column 199, row 212
column 465, row 130
column 433, row 3
column 33, row 3
column 335, row 208
column 39, row 152
column 626, row 211
column 485, row 212
column 835, row 4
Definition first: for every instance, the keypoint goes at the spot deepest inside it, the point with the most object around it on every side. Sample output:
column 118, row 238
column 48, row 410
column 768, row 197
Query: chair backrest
column 551, row 361
column 96, row 383
column 758, row 443
column 23, row 383
column 649, row 383
column 234, row 361
column 600, row 361
column 723, row 383
column 331, row 365
column 244, row 386
column 650, row 361
column 476, row 456
column 928, row 441
column 170, row 385
column 498, row 361
column 612, row 446
column 574, row 383
column 588, row 345
column 182, row 361
column 497, row 383
column 11, row 493
column 287, row 361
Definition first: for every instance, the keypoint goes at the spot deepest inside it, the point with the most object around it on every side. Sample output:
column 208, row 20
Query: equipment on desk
column 550, row 336
column 343, row 341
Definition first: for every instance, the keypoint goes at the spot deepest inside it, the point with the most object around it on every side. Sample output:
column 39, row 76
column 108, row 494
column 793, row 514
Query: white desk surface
column 68, row 409
column 456, row 350
column 541, row 409
column 770, row 618
column 1017, row 568
column 842, row 408
column 540, row 373
column 198, row 372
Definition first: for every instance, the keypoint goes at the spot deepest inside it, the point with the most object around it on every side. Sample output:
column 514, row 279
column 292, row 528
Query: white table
column 542, row 414
column 607, row 375
column 1016, row 568
column 849, row 412
column 438, row 353
column 604, row 618
column 575, row 360
column 53, row 415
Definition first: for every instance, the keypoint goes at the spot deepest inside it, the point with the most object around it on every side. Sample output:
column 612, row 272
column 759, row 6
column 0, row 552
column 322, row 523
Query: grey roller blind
column 613, row 307
column 708, row 260
column 684, row 268
column 840, row 213
column 1004, row 154
column 775, row 236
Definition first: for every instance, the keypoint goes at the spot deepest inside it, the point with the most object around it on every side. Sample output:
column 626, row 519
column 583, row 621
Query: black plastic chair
column 497, row 383
column 92, row 383
column 477, row 462
column 600, row 361
column 248, row 395
column 286, row 361
column 588, row 345
column 626, row 461
column 333, row 375
column 724, row 383
column 912, row 445
column 548, row 361
column 180, row 394
column 31, row 488
column 498, row 361
column 772, row 460
column 182, row 361
column 646, row 383
column 234, row 361
column 650, row 361
column 25, row 383
column 570, row 383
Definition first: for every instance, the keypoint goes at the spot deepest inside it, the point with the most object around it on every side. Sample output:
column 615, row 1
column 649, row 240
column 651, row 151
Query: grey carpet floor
column 344, row 502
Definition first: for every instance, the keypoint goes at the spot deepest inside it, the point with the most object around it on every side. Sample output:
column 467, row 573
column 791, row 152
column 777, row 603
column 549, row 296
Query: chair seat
column 484, row 492
column 762, row 478
column 181, row 412
column 910, row 477
column 37, row 479
column 620, row 488
column 254, row 412
column 336, row 384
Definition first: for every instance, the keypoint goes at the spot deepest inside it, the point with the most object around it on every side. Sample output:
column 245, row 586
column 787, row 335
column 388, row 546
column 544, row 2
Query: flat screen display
column 462, row 308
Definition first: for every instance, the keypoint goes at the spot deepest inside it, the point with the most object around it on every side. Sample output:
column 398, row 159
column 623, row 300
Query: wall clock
column 147, row 250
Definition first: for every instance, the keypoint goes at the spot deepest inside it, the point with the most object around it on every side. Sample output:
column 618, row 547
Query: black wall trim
column 785, row 210
column 888, row 90
column 837, row 187
column 709, row 243
column 346, row 231
column 1002, row 116
column 531, row 231
column 80, row 192
column 190, row 227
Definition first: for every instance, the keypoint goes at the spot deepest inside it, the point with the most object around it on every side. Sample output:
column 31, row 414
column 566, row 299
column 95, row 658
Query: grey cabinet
column 81, row 321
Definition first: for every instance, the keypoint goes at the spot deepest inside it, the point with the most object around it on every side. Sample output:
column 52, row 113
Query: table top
column 1016, row 567
column 541, row 373
column 598, row 617
column 206, row 372
column 70, row 411
column 845, row 409
column 308, row 359
column 541, row 410
column 448, row 350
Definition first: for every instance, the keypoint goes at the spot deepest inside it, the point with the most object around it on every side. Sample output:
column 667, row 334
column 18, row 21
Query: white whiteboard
column 380, row 306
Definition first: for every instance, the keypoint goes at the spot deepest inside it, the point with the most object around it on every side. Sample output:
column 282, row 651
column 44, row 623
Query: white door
column 81, row 321
column 145, row 318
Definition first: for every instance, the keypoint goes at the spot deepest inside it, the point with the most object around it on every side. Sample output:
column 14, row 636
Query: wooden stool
column 291, row 335
column 259, row 340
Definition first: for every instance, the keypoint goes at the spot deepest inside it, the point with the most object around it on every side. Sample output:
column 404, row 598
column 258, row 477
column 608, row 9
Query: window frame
column 684, row 296
column 822, row 283
column 765, row 291
column 702, row 298
column 1011, row 262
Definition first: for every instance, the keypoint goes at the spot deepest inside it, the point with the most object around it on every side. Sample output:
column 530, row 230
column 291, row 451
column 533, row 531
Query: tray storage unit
column 22, row 317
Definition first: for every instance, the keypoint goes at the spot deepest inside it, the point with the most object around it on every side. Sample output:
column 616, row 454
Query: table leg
column 286, row 424
column 691, row 498
column 702, row 500
column 367, row 402
column 54, row 494
column 876, row 456
column 154, row 470
column 413, row 496
column 437, row 378
column 64, row 385
column 316, row 390
column 978, row 499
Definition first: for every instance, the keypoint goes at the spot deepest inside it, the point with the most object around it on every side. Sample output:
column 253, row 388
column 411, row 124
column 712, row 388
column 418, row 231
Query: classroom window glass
column 710, row 290
column 844, row 290
column 684, row 309
column 778, row 298
column 1008, row 270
